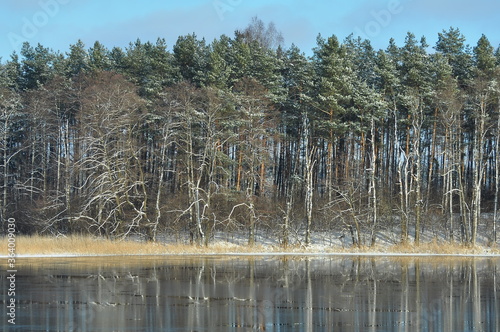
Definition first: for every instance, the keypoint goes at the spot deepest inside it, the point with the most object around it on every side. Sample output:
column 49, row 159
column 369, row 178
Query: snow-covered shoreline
column 221, row 244
column 313, row 254
column 259, row 254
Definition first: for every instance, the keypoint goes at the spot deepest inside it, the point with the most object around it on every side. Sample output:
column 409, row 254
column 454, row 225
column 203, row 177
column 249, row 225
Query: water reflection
column 271, row 294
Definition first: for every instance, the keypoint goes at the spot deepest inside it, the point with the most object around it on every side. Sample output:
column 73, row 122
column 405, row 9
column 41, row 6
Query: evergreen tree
column 416, row 79
column 482, row 87
column 367, row 114
column 298, row 82
column 241, row 58
column 78, row 59
column 448, row 104
column 351, row 134
column 191, row 58
column 484, row 58
column 265, row 68
column 452, row 45
column 36, row 66
column 99, row 59
column 11, row 75
column 333, row 97
column 220, row 67
column 149, row 66
column 118, row 60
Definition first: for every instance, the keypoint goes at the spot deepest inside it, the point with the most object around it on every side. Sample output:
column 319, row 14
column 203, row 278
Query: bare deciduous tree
column 116, row 200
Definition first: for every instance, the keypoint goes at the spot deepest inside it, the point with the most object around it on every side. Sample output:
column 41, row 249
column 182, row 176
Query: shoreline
column 87, row 246
column 268, row 254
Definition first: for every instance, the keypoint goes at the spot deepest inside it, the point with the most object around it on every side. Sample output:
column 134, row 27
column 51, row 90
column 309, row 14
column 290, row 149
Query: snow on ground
column 278, row 254
column 326, row 243
column 323, row 245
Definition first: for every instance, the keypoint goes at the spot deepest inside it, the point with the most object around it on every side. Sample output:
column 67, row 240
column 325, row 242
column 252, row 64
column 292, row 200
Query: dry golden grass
column 442, row 248
column 93, row 246
column 81, row 245
column 88, row 245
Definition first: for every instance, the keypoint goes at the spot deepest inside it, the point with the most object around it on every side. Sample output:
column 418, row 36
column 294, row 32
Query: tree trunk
column 239, row 171
column 402, row 180
column 418, row 119
column 251, row 233
column 373, row 182
column 286, row 222
column 161, row 174
column 497, row 175
column 432, row 155
column 309, row 170
column 5, row 169
column 478, row 153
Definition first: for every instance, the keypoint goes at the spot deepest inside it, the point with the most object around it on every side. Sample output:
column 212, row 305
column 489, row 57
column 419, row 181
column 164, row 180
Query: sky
column 56, row 24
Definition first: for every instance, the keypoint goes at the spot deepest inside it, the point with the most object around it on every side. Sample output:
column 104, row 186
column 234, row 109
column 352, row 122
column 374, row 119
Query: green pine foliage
column 224, row 136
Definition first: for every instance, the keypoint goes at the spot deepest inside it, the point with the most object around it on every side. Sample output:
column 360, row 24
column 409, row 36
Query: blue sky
column 58, row 23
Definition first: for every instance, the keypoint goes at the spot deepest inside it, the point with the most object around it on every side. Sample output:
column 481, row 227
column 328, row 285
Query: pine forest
column 242, row 135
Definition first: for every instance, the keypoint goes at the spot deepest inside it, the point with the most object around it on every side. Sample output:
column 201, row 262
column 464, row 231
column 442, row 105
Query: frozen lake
column 255, row 294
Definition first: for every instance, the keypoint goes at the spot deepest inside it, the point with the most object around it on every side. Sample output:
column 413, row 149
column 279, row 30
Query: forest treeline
column 241, row 134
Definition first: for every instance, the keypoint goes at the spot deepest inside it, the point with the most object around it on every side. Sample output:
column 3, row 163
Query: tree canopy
column 226, row 135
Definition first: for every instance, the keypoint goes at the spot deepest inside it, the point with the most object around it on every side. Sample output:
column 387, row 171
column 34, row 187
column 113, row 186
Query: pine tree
column 298, row 82
column 99, row 59
column 149, row 66
column 416, row 79
column 11, row 74
column 483, row 85
column 333, row 97
column 448, row 104
column 366, row 116
column 220, row 69
column 77, row 60
column 191, row 58
column 36, row 66
column 451, row 44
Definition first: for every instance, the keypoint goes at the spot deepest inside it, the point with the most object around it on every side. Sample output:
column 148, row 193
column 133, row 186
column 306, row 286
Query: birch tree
column 255, row 133
column 449, row 106
column 116, row 200
column 200, row 114
column 10, row 148
column 483, row 89
column 415, row 77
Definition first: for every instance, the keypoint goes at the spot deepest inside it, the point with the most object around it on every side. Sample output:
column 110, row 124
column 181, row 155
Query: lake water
column 254, row 294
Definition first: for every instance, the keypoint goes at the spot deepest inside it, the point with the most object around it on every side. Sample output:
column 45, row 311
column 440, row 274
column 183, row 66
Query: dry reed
column 94, row 246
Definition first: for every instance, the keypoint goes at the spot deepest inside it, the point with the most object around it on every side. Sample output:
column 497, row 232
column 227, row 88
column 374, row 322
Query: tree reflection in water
column 272, row 294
